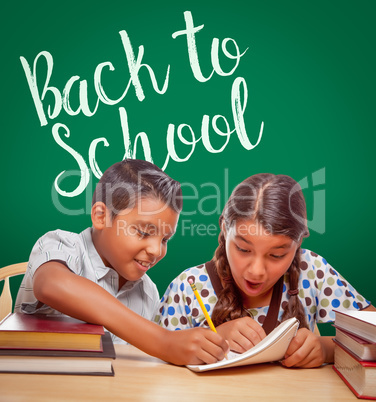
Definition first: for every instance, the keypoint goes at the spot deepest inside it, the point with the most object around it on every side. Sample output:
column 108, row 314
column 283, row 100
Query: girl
column 259, row 276
column 99, row 275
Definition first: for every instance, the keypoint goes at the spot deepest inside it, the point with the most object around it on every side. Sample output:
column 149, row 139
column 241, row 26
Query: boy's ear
column 99, row 215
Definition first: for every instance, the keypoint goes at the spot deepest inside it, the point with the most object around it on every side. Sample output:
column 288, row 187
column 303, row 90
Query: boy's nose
column 154, row 248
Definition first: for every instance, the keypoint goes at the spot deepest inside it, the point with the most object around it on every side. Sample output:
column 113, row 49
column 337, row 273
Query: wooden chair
column 6, row 301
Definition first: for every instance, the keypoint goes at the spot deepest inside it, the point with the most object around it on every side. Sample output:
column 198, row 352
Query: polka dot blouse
column 321, row 290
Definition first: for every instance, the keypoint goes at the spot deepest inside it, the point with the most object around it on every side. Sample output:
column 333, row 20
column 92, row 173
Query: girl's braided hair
column 276, row 202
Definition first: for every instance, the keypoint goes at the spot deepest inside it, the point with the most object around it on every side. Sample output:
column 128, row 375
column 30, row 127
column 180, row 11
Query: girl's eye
column 242, row 249
column 277, row 256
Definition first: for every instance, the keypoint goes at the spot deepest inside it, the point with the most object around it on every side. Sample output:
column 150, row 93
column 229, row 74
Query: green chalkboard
column 84, row 82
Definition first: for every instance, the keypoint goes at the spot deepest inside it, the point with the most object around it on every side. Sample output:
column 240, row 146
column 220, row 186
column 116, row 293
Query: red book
column 360, row 323
column 363, row 349
column 358, row 375
column 59, row 361
column 39, row 331
column 70, row 362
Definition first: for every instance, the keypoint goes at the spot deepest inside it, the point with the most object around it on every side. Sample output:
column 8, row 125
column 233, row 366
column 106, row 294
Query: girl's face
column 257, row 260
column 136, row 239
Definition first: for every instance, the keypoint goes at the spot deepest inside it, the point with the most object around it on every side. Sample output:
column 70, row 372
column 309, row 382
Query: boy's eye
column 142, row 233
column 166, row 239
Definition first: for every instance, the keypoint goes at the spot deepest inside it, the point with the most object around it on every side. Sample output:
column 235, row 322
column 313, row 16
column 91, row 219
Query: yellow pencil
column 203, row 308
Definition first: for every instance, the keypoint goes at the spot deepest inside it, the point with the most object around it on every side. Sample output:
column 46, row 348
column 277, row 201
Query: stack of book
column 355, row 351
column 36, row 343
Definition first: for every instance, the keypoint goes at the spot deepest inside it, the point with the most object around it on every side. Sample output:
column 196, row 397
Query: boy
column 99, row 275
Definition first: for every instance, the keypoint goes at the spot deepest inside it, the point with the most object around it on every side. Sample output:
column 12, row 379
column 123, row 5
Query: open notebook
column 272, row 348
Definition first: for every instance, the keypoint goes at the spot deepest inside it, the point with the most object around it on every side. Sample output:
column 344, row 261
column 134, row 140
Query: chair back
column 6, row 302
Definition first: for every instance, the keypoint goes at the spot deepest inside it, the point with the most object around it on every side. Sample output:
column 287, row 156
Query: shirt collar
column 96, row 261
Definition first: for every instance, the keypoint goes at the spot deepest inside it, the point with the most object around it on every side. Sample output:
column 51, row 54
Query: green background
column 310, row 73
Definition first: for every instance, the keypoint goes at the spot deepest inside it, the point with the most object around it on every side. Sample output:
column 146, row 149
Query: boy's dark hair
column 277, row 203
column 125, row 183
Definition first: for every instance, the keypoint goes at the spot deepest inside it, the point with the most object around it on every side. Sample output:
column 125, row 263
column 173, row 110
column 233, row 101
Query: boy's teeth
column 144, row 264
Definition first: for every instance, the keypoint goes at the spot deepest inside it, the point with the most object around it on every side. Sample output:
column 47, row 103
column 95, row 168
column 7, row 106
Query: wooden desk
column 140, row 377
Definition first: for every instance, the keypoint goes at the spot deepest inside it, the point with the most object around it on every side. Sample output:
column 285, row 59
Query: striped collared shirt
column 78, row 253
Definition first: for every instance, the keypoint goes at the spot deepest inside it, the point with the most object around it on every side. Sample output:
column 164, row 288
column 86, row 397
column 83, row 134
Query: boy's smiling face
column 136, row 239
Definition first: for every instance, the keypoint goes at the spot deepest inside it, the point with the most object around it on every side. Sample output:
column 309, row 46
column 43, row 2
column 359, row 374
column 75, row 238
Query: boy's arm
column 61, row 289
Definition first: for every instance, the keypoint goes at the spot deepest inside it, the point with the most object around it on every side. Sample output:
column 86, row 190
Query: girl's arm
column 308, row 350
column 78, row 297
column 242, row 333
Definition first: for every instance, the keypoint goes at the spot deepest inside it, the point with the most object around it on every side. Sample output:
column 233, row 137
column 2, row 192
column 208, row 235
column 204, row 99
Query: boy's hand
column 306, row 350
column 242, row 333
column 195, row 346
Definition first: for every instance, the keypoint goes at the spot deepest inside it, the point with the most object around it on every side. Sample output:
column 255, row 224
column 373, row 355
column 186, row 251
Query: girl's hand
column 306, row 350
column 242, row 333
column 194, row 346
